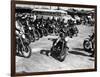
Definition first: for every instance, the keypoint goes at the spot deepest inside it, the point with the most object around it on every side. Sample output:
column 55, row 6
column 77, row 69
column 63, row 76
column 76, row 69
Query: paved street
column 76, row 59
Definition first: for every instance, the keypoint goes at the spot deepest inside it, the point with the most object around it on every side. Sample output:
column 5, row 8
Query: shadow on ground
column 81, row 49
column 17, row 54
column 48, row 53
column 78, row 49
column 78, row 53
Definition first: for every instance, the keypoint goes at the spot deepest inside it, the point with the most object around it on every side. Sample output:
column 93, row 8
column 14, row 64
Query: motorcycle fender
column 87, row 39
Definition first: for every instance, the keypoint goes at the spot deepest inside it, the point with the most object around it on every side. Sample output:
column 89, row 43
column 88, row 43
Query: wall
column 5, row 37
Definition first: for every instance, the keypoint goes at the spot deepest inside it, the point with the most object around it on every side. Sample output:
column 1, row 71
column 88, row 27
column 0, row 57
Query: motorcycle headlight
column 29, row 28
column 23, row 36
column 66, row 39
column 37, row 25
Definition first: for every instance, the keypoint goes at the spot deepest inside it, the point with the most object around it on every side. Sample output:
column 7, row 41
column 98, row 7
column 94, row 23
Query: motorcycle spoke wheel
column 26, row 52
column 62, row 56
column 45, row 32
column 33, row 39
column 87, row 45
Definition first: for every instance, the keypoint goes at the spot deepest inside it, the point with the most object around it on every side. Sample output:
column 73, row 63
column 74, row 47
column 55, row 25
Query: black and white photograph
column 54, row 38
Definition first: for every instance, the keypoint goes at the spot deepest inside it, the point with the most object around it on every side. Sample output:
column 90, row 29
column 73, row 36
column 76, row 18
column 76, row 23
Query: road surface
column 77, row 58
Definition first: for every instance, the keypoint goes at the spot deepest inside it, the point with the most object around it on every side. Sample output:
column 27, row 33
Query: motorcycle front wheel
column 26, row 53
column 37, row 35
column 87, row 45
column 62, row 55
column 45, row 32
column 40, row 33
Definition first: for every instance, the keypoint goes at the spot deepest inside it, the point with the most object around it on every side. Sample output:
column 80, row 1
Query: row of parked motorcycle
column 29, row 30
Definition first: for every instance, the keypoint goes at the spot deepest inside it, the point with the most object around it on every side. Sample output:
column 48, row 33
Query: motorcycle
column 49, row 28
column 22, row 45
column 88, row 44
column 44, row 30
column 59, row 51
column 37, row 27
column 71, row 31
column 76, row 31
column 31, row 34
column 28, row 31
column 35, row 33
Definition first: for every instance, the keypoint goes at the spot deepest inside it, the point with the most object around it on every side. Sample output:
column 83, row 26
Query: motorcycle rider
column 48, row 24
column 62, row 25
column 19, row 26
column 71, row 27
column 53, row 20
column 48, row 21
column 57, row 42
column 19, row 31
column 36, row 21
column 22, row 42
column 41, row 20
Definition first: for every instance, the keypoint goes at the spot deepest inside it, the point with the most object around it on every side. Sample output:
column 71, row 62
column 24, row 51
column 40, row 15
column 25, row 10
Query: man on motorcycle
column 53, row 20
column 22, row 43
column 19, row 31
column 19, row 27
column 59, row 49
column 36, row 21
column 41, row 20
column 72, row 29
column 61, row 38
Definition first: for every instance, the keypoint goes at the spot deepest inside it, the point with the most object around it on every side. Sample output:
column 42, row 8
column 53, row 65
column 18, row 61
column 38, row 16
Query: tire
column 28, row 38
column 17, row 52
column 50, row 30
column 87, row 45
column 28, row 41
column 62, row 56
column 37, row 35
column 27, row 52
column 40, row 32
column 32, row 38
column 45, row 32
